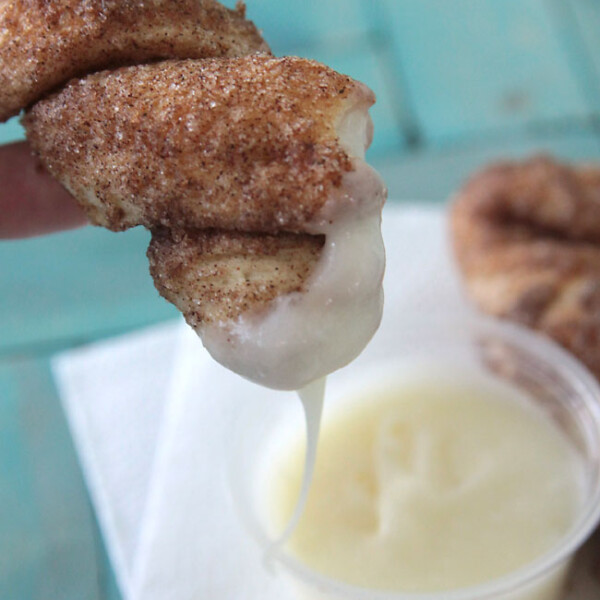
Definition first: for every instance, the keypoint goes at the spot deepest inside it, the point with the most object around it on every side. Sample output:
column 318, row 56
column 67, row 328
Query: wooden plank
column 47, row 540
column 433, row 175
column 73, row 287
column 481, row 66
column 18, row 513
column 587, row 13
column 288, row 25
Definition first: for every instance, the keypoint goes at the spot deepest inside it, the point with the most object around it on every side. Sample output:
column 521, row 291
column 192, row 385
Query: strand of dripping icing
column 312, row 398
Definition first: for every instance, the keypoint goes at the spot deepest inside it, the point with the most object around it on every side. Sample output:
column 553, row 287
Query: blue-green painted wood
column 11, row 131
column 106, row 575
column 289, row 25
column 18, row 509
column 73, row 287
column 587, row 13
column 47, row 536
column 433, row 175
column 481, row 66
column 569, row 29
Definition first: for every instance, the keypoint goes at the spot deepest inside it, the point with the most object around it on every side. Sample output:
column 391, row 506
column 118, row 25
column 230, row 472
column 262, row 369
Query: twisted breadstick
column 527, row 240
column 249, row 172
column 44, row 43
column 247, row 144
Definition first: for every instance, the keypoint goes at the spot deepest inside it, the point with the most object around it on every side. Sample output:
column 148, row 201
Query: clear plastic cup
column 550, row 377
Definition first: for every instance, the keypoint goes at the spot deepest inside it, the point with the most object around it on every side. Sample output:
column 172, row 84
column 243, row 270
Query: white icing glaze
column 305, row 336
column 312, row 397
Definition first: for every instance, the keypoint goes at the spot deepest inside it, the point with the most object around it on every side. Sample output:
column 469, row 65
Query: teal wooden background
column 459, row 83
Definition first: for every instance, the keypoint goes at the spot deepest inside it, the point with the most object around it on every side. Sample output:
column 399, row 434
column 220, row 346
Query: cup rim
column 587, row 387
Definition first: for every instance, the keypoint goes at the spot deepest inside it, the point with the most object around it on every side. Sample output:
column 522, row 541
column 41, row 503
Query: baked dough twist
column 247, row 144
column 527, row 240
column 44, row 43
column 238, row 162
column 185, row 149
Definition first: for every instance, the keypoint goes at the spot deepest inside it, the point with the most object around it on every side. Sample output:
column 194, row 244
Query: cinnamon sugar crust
column 215, row 276
column 44, row 43
column 173, row 115
column 527, row 240
column 246, row 144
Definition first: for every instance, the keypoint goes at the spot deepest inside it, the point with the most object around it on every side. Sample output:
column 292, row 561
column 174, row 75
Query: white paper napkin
column 152, row 432
column 114, row 394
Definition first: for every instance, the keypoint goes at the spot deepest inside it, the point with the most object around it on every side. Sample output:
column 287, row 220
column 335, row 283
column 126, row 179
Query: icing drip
column 305, row 336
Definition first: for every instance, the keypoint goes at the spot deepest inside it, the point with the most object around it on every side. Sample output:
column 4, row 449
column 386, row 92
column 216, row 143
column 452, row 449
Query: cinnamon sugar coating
column 44, row 43
column 246, row 144
column 527, row 240
column 172, row 114
column 215, row 276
